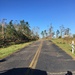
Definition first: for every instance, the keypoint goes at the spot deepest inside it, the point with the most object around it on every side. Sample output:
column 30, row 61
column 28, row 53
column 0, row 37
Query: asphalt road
column 51, row 60
column 55, row 61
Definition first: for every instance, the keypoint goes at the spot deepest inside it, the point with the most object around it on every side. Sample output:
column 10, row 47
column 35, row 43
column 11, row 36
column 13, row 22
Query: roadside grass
column 4, row 52
column 64, row 46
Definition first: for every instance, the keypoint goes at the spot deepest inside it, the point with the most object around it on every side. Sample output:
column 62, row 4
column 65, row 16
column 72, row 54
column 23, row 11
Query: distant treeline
column 13, row 33
column 62, row 32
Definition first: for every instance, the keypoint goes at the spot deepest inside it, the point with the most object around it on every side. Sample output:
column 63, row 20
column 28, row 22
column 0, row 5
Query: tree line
column 16, row 33
column 62, row 32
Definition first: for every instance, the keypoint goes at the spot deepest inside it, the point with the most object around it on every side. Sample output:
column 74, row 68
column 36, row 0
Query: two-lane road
column 39, row 58
column 20, row 59
column 54, row 60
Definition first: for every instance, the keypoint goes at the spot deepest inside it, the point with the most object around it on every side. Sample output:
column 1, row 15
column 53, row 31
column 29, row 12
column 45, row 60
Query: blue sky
column 40, row 13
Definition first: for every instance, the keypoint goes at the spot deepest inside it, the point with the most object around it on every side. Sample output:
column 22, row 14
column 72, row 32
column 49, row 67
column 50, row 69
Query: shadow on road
column 2, row 60
column 23, row 71
column 69, row 73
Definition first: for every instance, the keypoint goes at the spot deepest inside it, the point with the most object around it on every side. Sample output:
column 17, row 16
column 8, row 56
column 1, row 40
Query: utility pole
column 3, row 24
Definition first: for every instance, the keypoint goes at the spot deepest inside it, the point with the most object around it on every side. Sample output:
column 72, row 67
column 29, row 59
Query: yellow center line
column 35, row 59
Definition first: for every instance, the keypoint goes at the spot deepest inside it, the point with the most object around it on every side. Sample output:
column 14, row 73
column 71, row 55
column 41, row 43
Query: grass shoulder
column 65, row 46
column 4, row 52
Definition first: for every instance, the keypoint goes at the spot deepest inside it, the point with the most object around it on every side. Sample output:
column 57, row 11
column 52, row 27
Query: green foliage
column 0, row 30
column 10, row 31
column 73, row 35
column 16, row 33
column 59, row 36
